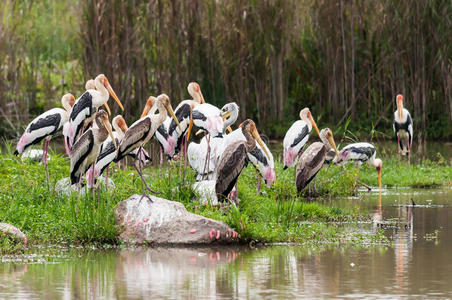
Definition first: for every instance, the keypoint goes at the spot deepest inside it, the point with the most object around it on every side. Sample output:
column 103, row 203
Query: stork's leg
column 144, row 185
column 106, row 178
column 185, row 151
column 44, row 158
column 161, row 157
column 409, row 149
column 259, row 182
column 203, row 175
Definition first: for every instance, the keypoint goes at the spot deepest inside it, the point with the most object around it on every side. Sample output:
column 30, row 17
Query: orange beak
column 314, row 124
column 113, row 94
column 379, row 178
column 400, row 105
column 190, row 125
column 147, row 107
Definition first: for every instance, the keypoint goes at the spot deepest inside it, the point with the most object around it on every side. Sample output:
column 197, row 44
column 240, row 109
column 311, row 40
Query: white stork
column 140, row 132
column 87, row 105
column 44, row 126
column 297, row 136
column 403, row 128
column 169, row 134
column 198, row 152
column 360, row 153
column 86, row 149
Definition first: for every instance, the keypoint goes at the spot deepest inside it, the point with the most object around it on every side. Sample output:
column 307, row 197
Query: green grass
column 277, row 214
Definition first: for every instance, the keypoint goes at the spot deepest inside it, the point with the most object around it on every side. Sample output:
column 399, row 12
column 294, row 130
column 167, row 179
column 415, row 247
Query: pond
column 418, row 265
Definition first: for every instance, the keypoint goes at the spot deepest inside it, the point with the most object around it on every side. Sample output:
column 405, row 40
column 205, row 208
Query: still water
column 419, row 264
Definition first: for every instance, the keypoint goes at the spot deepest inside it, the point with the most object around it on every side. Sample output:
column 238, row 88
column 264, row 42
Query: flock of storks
column 218, row 158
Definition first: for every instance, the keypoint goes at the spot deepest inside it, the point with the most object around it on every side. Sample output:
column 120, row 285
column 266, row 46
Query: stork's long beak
column 169, row 108
column 107, row 108
column 379, row 178
column 147, row 108
column 225, row 116
column 333, row 144
column 256, row 135
column 202, row 97
column 314, row 125
column 108, row 127
column 113, row 94
column 200, row 131
column 190, row 125
column 400, row 108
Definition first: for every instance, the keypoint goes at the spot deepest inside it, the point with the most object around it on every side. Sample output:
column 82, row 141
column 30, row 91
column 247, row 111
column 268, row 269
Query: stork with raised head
column 86, row 149
column 234, row 159
column 297, row 136
column 140, row 132
column 170, row 135
column 312, row 160
column 403, row 128
column 44, row 126
column 86, row 106
column 360, row 153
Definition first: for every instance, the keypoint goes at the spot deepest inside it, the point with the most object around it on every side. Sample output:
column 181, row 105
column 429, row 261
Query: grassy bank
column 276, row 215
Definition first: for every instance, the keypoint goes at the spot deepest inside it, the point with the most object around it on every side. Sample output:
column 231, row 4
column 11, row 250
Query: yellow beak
column 256, row 135
column 108, row 127
column 331, row 140
column 190, row 125
column 113, row 94
column 225, row 116
column 314, row 125
column 379, row 178
column 169, row 108
column 107, row 108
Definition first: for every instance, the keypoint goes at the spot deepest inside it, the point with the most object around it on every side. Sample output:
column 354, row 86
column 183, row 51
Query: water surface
column 418, row 265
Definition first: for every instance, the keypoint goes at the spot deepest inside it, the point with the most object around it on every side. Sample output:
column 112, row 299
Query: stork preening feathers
column 403, row 128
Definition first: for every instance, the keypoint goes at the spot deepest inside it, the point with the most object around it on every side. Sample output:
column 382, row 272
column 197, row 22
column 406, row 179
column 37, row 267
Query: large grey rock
column 166, row 222
column 13, row 232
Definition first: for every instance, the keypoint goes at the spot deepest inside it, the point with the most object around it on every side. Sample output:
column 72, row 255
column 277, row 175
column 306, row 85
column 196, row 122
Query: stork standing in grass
column 234, row 159
column 86, row 149
column 140, row 132
column 43, row 127
column 108, row 150
column 312, row 160
column 86, row 106
column 360, row 153
column 403, row 128
column 297, row 136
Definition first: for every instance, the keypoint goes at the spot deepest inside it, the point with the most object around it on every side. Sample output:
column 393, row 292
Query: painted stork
column 197, row 152
column 360, row 153
column 86, row 106
column 86, row 149
column 143, row 130
column 44, row 126
column 234, row 159
column 169, row 134
column 297, row 136
column 403, row 128
column 312, row 160
column 108, row 151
